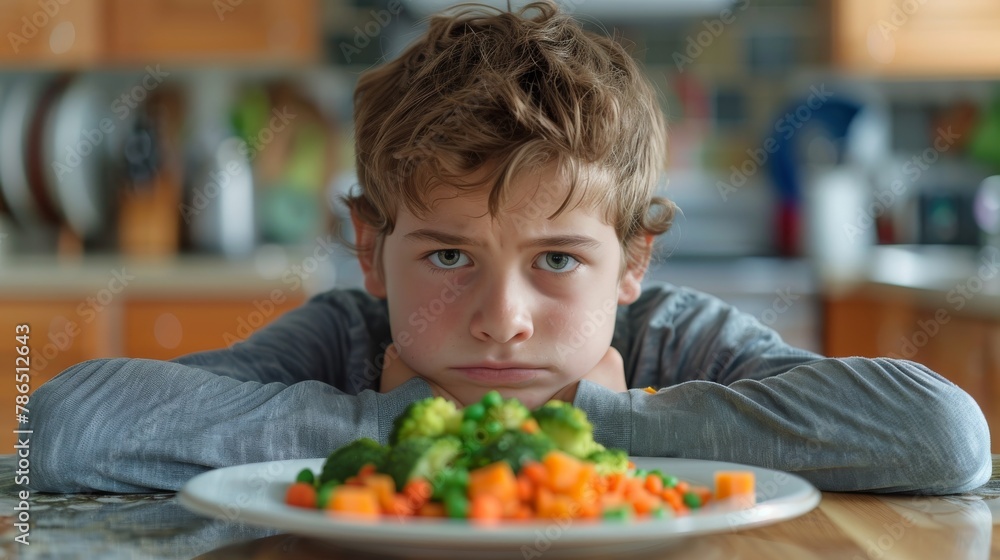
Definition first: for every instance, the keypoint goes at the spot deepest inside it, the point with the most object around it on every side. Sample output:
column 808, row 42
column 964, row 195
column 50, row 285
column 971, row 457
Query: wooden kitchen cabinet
column 50, row 32
column 859, row 326
column 992, row 381
column 81, row 33
column 67, row 331
column 193, row 30
column 162, row 329
column 964, row 349
column 918, row 38
column 59, row 336
column 959, row 352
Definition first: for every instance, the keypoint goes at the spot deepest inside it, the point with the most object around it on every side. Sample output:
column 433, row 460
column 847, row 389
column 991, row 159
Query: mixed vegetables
column 496, row 460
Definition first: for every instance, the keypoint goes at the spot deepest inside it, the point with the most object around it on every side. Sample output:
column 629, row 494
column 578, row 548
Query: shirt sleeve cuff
column 609, row 412
column 394, row 403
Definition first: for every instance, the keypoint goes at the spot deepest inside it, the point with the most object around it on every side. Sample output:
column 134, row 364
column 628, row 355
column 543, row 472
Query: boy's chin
column 532, row 398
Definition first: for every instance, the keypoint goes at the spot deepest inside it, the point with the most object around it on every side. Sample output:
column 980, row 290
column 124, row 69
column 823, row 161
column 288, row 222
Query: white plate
column 254, row 494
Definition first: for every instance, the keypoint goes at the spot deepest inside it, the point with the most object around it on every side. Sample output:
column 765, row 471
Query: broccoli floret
column 510, row 413
column 421, row 457
column 431, row 417
column 516, row 448
column 348, row 460
column 608, row 461
column 484, row 421
column 568, row 428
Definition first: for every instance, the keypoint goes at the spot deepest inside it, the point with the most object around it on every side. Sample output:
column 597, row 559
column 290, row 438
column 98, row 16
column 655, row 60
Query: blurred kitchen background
column 169, row 168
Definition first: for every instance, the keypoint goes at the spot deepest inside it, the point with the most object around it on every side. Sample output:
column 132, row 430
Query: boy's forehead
column 465, row 226
column 532, row 195
column 532, row 209
column 462, row 208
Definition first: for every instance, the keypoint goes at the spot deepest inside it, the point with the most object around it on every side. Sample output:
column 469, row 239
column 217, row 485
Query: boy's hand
column 609, row 372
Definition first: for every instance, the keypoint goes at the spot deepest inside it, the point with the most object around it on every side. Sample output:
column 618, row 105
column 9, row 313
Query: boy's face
column 522, row 304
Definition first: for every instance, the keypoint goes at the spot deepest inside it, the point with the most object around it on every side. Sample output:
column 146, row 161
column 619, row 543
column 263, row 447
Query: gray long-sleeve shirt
column 731, row 390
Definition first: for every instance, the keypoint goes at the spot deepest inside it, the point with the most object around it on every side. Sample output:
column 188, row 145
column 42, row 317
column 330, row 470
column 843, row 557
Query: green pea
column 494, row 427
column 661, row 513
column 463, row 463
column 324, row 493
column 455, row 479
column 669, row 481
column 461, row 478
column 456, row 505
column 451, row 480
column 472, row 447
column 492, row 399
column 619, row 513
column 692, row 500
column 474, row 411
column 306, row 475
column 468, row 429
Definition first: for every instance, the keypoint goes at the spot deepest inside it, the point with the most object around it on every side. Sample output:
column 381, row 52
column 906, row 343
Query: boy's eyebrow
column 561, row 241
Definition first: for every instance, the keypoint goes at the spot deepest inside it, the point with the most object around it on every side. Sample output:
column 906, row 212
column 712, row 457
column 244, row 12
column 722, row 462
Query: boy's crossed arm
column 133, row 425
column 734, row 391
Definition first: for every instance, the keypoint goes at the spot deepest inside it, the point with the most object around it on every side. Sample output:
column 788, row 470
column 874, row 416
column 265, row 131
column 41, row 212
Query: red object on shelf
column 788, row 237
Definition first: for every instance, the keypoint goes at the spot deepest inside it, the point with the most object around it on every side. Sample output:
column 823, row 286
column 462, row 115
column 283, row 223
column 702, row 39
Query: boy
column 504, row 224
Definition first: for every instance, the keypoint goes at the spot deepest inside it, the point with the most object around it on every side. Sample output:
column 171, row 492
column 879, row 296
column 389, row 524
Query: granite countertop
column 155, row 526
column 111, row 526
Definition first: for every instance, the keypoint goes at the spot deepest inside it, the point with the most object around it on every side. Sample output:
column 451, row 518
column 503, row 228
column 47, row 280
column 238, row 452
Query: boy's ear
column 630, row 285
column 365, row 237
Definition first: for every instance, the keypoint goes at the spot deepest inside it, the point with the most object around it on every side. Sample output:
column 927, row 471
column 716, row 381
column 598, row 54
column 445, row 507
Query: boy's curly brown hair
column 518, row 92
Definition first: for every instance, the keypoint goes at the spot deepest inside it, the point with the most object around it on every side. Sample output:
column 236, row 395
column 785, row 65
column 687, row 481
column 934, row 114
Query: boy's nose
column 503, row 311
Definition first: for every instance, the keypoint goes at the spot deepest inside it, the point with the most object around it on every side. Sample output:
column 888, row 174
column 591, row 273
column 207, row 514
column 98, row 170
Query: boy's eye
column 447, row 258
column 559, row 262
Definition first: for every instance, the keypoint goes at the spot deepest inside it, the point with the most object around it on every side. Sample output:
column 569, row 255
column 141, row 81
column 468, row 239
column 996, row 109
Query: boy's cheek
column 609, row 371
column 395, row 372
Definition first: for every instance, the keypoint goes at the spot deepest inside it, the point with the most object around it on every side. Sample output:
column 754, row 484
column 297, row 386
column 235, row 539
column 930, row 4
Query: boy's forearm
column 851, row 425
column 139, row 425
